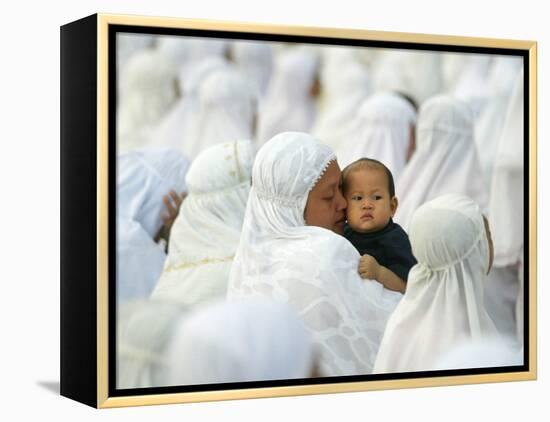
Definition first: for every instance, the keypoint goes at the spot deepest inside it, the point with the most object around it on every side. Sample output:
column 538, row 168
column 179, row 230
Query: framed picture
column 169, row 291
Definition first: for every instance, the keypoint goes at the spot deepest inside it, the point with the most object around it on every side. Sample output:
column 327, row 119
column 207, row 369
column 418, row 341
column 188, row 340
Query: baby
column 385, row 248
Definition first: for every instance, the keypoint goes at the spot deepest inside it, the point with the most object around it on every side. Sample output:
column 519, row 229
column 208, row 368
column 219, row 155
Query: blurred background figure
column 290, row 102
column 506, row 214
column 254, row 60
column 239, row 342
column 383, row 129
column 144, row 177
column 445, row 160
column 206, row 233
column 346, row 84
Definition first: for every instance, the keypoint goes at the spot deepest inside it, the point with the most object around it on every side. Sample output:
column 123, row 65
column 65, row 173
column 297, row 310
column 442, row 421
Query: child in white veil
column 443, row 305
column 290, row 253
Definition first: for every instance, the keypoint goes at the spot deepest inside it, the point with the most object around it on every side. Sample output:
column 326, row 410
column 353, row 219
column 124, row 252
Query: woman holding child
column 291, row 251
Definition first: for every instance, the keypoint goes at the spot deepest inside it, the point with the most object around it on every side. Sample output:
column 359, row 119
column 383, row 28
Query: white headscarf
column 471, row 86
column 506, row 208
column 147, row 91
column 345, row 85
column 143, row 178
column 443, row 304
column 488, row 128
column 144, row 330
column 139, row 261
column 414, row 73
column 255, row 61
column 174, row 130
column 206, row 232
column 239, row 342
column 288, row 104
column 381, row 130
column 227, row 106
column 311, row 268
column 445, row 159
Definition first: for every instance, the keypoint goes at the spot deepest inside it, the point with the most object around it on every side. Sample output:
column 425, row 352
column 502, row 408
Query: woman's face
column 326, row 206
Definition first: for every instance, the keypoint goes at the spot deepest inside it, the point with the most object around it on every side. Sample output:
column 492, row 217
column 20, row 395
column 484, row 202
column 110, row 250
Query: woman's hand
column 369, row 267
column 172, row 201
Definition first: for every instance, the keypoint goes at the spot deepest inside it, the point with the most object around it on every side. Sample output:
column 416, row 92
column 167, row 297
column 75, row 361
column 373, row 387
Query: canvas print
column 300, row 212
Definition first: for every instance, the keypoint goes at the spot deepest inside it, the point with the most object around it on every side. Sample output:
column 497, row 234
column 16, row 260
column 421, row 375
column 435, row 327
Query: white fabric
column 239, row 342
column 445, row 159
column 143, row 177
column 185, row 52
column 380, row 130
column 288, row 104
column 311, row 268
column 443, row 303
column 414, row 73
column 486, row 353
column 206, row 232
column 139, row 261
column 506, row 211
column 500, row 298
column 471, row 86
column 144, row 330
column 345, row 85
column 255, row 62
column 147, row 90
column 488, row 128
column 175, row 128
column 129, row 44
column 227, row 106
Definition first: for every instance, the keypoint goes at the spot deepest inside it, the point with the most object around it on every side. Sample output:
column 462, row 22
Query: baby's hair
column 368, row 163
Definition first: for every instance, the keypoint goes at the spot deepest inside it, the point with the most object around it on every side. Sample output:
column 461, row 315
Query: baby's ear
column 393, row 205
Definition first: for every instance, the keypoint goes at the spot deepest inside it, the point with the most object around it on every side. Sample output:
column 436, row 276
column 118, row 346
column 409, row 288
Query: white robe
column 311, row 268
column 443, row 305
column 445, row 159
column 206, row 232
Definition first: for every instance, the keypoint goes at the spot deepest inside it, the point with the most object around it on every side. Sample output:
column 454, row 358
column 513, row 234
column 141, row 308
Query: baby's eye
column 356, row 198
column 377, row 197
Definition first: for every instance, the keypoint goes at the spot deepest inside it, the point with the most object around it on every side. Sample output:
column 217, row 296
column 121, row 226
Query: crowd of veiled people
column 292, row 211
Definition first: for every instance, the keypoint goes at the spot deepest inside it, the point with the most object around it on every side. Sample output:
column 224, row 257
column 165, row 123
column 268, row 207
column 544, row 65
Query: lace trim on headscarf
column 282, row 200
column 326, row 164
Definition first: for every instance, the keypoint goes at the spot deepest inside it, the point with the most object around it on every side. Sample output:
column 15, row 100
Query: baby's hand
column 368, row 267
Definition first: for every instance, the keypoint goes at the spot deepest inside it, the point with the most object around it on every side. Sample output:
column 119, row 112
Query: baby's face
column 369, row 204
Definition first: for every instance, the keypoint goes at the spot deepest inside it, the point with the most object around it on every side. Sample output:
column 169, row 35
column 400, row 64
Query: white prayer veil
column 381, row 130
column 143, row 177
column 206, row 232
column 445, row 159
column 144, row 331
column 288, row 104
column 443, row 304
column 311, row 268
column 227, row 106
column 148, row 89
column 255, row 61
column 345, row 85
column 506, row 208
column 239, row 342
column 414, row 73
column 471, row 86
column 488, row 128
column 174, row 130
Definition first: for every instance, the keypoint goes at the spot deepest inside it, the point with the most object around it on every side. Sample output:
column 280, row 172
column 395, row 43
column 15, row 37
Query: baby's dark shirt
column 389, row 246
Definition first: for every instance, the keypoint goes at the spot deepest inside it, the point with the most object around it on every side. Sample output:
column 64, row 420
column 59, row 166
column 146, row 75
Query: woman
column 445, row 159
column 144, row 177
column 206, row 232
column 290, row 101
column 291, row 251
column 227, row 108
column 383, row 129
column 443, row 305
